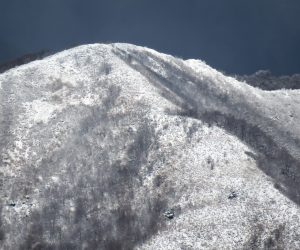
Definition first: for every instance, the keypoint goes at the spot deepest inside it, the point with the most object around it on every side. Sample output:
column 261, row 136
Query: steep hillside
column 121, row 147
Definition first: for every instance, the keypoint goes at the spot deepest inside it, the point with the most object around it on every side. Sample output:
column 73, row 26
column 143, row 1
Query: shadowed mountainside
column 23, row 60
column 264, row 79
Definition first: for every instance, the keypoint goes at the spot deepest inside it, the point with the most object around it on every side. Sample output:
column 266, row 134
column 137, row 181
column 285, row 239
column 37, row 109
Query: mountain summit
column 115, row 146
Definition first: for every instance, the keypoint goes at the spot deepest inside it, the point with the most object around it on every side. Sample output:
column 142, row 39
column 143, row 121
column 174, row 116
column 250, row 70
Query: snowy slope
column 99, row 142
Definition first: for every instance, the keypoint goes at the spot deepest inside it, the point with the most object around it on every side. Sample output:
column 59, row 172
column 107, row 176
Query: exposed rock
column 104, row 138
column 169, row 213
column 232, row 195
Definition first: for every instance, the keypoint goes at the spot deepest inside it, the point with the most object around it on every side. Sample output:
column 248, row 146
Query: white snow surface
column 58, row 113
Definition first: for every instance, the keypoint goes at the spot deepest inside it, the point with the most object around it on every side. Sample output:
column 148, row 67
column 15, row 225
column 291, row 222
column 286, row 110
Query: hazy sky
column 236, row 36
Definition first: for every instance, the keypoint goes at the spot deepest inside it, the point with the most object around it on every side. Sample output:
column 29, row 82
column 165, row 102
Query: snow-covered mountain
column 265, row 80
column 115, row 146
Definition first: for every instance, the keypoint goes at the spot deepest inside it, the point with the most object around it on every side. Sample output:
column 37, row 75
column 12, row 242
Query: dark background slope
column 263, row 79
column 235, row 36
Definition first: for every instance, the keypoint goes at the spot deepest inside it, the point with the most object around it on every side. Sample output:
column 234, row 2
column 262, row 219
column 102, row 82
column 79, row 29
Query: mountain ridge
column 100, row 141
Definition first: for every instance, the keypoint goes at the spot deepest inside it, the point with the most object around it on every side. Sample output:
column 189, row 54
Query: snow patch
column 40, row 111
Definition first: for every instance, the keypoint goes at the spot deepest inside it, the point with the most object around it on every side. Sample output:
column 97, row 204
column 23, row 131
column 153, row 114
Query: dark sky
column 236, row 36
